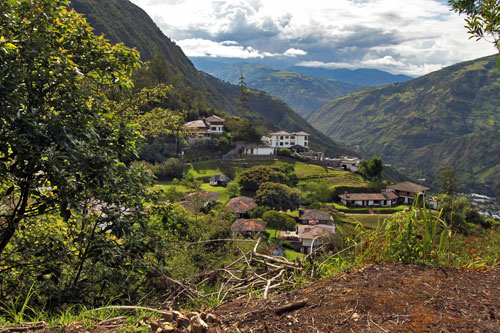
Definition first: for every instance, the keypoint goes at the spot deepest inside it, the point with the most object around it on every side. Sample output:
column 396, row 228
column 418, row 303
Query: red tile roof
column 248, row 225
column 241, row 205
column 313, row 231
column 313, row 214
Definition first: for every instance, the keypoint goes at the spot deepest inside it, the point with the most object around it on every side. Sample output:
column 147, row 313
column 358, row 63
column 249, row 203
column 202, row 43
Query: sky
column 412, row 37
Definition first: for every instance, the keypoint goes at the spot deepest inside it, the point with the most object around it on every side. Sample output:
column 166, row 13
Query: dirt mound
column 377, row 298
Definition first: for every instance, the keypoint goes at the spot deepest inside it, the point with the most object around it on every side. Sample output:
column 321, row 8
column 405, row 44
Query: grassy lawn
column 273, row 235
column 369, row 220
column 210, row 168
column 291, row 255
column 224, row 196
column 345, row 178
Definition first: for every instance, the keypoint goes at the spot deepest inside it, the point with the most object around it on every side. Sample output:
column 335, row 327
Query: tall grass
column 418, row 235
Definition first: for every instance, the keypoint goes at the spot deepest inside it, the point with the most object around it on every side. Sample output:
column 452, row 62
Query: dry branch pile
column 251, row 274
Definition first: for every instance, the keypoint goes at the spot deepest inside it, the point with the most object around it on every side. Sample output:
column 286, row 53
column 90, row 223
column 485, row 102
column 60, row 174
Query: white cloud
column 195, row 47
column 294, row 52
column 411, row 36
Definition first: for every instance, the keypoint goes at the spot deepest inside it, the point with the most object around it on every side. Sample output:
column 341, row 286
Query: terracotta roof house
column 219, row 180
column 247, row 227
column 241, row 205
column 407, row 191
column 313, row 216
column 313, row 233
column 198, row 200
column 384, row 199
column 202, row 130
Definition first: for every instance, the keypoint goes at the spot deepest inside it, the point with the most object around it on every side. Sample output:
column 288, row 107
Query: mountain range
column 122, row 21
column 450, row 117
column 304, row 93
column 366, row 77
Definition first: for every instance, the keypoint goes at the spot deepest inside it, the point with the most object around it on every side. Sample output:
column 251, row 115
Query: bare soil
column 377, row 298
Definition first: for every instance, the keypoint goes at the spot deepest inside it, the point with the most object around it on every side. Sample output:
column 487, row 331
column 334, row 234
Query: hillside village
column 312, row 223
column 138, row 193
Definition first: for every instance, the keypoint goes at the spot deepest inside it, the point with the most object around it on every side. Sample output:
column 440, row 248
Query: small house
column 219, row 180
column 312, row 236
column 350, row 164
column 241, row 206
column 247, row 228
column 202, row 130
column 197, row 200
column 258, row 150
column 313, row 216
column 407, row 191
column 215, row 124
column 384, row 199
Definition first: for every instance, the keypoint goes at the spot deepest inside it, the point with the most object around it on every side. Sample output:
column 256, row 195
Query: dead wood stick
column 22, row 329
column 270, row 281
column 284, row 262
column 265, row 263
column 290, row 307
column 184, row 287
column 256, row 245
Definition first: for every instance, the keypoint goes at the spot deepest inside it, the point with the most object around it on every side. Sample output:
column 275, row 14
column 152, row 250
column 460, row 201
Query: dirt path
column 378, row 298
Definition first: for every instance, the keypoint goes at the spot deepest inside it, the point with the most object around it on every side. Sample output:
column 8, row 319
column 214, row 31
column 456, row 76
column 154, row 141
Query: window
column 281, row 143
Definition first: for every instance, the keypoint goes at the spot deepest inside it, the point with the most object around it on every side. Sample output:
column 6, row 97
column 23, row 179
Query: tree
column 278, row 221
column 242, row 105
column 277, row 196
column 461, row 215
column 170, row 169
column 61, row 142
column 251, row 179
column 448, row 180
column 483, row 18
column 371, row 169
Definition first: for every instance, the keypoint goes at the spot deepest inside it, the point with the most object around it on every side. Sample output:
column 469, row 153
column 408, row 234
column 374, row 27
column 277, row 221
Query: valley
column 140, row 192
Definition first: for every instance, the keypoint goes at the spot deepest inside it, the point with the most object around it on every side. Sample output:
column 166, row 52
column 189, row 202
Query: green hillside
column 122, row 21
column 303, row 93
column 449, row 117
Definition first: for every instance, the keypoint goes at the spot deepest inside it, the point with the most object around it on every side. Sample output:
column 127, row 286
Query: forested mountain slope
column 303, row 93
column 449, row 117
column 122, row 21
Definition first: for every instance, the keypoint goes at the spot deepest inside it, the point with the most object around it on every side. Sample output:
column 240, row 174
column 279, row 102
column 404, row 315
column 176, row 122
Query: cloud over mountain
column 411, row 37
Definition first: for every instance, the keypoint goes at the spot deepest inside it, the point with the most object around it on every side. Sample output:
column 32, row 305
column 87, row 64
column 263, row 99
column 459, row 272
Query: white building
column 284, row 139
column 259, row 150
column 215, row 124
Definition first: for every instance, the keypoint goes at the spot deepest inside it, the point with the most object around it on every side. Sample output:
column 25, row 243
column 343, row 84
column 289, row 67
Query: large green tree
column 277, row 196
column 371, row 169
column 61, row 141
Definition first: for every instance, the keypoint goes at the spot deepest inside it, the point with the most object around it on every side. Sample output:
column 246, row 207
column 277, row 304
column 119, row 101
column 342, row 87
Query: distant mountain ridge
column 303, row 93
column 122, row 21
column 448, row 117
column 362, row 76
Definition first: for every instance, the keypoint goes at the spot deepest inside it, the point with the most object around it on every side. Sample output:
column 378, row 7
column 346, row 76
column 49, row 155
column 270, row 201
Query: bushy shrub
column 168, row 170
